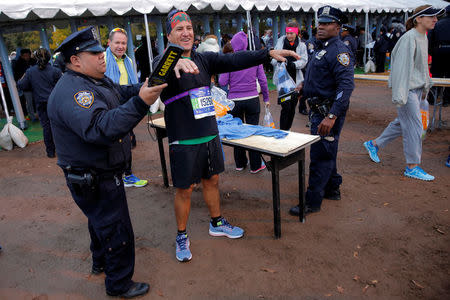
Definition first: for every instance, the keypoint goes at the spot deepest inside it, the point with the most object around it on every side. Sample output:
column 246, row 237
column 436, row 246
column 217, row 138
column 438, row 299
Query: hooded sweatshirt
column 242, row 83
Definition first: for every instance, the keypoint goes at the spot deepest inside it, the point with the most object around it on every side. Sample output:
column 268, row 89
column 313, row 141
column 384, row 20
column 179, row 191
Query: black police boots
column 97, row 270
column 137, row 289
column 295, row 210
column 333, row 195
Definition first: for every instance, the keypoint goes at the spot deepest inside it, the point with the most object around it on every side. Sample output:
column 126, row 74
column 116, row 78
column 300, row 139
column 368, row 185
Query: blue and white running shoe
column 225, row 229
column 418, row 173
column 182, row 252
column 373, row 151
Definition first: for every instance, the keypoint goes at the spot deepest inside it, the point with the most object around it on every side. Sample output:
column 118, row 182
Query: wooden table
column 282, row 152
column 437, row 82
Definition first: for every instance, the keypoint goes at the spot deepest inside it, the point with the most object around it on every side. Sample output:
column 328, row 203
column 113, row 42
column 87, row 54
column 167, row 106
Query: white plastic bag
column 424, row 111
column 155, row 106
column 268, row 120
column 370, row 66
column 281, row 78
column 16, row 134
column 5, row 138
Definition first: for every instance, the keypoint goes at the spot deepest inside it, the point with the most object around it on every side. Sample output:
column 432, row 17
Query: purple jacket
column 243, row 83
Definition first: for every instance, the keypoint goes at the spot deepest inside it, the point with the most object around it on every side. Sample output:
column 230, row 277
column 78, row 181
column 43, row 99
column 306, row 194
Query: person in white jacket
column 291, row 41
column 410, row 82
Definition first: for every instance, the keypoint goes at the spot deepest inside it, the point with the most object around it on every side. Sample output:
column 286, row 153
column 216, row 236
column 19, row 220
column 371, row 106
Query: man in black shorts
column 194, row 146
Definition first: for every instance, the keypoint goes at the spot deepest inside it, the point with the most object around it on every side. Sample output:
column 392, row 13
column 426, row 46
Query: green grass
column 33, row 132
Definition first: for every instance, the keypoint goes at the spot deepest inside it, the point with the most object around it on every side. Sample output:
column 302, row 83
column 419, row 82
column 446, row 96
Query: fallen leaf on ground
column 373, row 282
column 358, row 247
column 438, row 230
column 261, row 296
column 355, row 254
column 365, row 288
column 356, row 278
column 328, row 295
column 160, row 293
column 268, row 270
column 340, row 289
column 417, row 284
column 386, row 204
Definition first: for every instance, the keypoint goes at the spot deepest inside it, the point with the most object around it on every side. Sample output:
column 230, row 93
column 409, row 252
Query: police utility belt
column 89, row 178
column 320, row 105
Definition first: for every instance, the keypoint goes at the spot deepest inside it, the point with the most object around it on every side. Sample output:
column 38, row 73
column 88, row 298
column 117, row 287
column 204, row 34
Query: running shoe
column 447, row 163
column 224, row 228
column 373, row 151
column 182, row 252
column 132, row 180
column 263, row 166
column 418, row 173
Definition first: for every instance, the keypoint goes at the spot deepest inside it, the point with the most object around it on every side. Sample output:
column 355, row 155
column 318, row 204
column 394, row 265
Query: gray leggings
column 408, row 124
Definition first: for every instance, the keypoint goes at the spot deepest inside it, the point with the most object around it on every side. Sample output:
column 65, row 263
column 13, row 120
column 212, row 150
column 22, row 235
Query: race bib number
column 202, row 103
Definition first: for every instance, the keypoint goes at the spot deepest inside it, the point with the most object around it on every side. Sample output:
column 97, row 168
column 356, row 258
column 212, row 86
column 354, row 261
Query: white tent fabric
column 48, row 9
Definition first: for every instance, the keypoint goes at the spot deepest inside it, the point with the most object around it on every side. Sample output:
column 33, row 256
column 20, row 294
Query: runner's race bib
column 202, row 103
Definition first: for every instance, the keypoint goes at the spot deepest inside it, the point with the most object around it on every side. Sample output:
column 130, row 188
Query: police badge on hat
column 84, row 99
column 343, row 59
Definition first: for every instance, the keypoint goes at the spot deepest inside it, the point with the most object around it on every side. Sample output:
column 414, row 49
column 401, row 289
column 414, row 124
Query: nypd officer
column 91, row 118
column 328, row 85
column 347, row 37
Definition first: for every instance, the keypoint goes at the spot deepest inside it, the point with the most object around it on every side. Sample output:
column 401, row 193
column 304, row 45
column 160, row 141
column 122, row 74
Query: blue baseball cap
column 329, row 14
column 86, row 40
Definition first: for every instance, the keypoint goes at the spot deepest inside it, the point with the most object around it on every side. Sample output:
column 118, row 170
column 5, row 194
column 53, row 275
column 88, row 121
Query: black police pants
column 109, row 224
column 287, row 113
column 323, row 175
column 380, row 60
column 248, row 111
column 46, row 128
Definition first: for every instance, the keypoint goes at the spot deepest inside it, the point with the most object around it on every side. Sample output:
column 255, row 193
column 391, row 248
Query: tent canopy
column 49, row 9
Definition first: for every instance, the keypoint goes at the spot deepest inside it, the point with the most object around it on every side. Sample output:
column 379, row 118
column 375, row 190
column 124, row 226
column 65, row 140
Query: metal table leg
column 301, row 186
column 276, row 196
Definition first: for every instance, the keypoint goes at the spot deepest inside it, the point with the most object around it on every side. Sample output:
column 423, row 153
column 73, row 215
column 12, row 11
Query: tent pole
column 366, row 32
column 11, row 84
column 130, row 45
column 256, row 25
column 160, row 35
column 206, row 27
column 316, row 19
column 239, row 23
column 149, row 44
column 44, row 38
column 275, row 30
column 283, row 24
column 73, row 25
column 217, row 26
column 309, row 24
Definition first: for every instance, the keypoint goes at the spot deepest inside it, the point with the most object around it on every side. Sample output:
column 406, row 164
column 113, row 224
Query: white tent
column 49, row 9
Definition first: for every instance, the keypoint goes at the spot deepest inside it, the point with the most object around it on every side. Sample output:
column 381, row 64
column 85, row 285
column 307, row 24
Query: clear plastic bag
column 370, row 66
column 268, row 119
column 424, row 112
column 221, row 103
column 281, row 78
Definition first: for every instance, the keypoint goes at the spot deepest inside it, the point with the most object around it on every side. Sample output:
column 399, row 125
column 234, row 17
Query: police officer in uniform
column 91, row 118
column 347, row 37
column 328, row 86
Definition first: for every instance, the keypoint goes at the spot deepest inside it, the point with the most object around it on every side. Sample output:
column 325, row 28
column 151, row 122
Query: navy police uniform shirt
column 89, row 122
column 350, row 42
column 40, row 82
column 330, row 74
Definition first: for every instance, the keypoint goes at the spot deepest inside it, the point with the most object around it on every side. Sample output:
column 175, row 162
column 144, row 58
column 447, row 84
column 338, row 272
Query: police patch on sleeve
column 343, row 59
column 84, row 98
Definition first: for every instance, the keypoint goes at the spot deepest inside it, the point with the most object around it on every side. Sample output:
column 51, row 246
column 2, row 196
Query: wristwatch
column 331, row 116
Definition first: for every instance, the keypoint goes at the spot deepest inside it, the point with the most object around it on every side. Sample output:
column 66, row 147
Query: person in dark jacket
column 40, row 79
column 20, row 65
column 381, row 47
column 91, row 118
column 347, row 37
column 439, row 47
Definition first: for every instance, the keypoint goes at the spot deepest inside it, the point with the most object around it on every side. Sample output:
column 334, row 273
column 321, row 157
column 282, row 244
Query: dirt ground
column 388, row 238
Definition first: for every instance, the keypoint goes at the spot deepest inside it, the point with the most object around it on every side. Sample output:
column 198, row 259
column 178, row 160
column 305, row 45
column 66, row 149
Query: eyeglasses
column 118, row 30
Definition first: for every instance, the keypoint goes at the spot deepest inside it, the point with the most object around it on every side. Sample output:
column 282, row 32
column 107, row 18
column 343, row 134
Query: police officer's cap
column 329, row 14
column 349, row 28
column 85, row 40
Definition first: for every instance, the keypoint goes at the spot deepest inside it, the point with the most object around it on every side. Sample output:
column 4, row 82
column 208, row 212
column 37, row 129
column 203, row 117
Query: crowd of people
column 88, row 115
